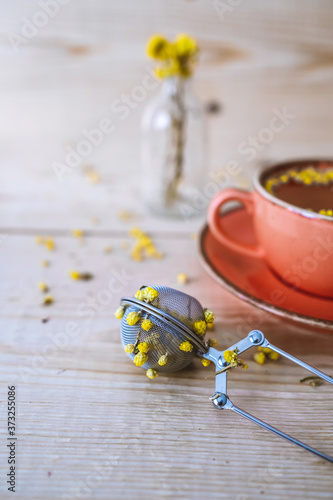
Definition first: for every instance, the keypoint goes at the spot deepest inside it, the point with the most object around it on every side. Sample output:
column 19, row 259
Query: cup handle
column 246, row 199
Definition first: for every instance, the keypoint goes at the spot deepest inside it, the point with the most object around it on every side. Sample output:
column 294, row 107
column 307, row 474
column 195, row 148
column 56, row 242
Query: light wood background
column 90, row 424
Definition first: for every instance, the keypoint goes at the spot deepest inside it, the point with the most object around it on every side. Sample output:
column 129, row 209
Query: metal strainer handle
column 221, row 401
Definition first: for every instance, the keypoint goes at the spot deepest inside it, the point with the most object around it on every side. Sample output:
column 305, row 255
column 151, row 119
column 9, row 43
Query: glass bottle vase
column 173, row 150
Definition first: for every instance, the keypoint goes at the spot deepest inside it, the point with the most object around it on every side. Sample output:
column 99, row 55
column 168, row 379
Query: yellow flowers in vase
column 173, row 149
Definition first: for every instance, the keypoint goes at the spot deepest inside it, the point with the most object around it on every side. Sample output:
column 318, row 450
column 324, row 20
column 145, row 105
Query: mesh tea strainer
column 163, row 329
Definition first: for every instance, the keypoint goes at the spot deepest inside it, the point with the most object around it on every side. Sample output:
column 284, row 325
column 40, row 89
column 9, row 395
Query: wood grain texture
column 90, row 424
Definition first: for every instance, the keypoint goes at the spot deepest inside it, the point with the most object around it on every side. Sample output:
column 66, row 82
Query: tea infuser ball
column 163, row 329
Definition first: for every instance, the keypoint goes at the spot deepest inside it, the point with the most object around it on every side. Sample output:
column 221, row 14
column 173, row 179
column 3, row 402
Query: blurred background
column 64, row 63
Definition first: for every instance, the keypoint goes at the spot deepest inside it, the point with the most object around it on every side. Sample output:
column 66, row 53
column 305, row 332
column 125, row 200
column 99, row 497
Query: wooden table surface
column 89, row 423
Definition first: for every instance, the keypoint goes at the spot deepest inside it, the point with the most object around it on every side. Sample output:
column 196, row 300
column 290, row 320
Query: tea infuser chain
column 221, row 401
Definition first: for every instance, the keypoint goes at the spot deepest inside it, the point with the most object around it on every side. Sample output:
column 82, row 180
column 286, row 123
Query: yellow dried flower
column 182, row 278
column 77, row 233
column 140, row 358
column 205, row 362
column 273, row 355
column 45, row 263
column 119, row 312
column 212, row 342
column 143, row 347
column 230, row 356
column 157, row 47
column 209, row 316
column 146, row 324
column 259, row 358
column 186, row 346
column 107, row 249
column 269, row 353
column 43, row 287
column 150, row 294
column 200, row 327
column 151, row 373
column 129, row 348
column 49, row 244
column 140, row 295
column 132, row 318
column 48, row 300
column 163, row 359
column 185, row 46
column 75, row 275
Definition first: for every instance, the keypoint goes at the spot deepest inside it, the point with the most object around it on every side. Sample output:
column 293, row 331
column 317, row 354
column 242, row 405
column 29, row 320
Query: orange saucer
column 253, row 281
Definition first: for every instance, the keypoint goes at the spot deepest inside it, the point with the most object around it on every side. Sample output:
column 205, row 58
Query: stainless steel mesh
column 164, row 337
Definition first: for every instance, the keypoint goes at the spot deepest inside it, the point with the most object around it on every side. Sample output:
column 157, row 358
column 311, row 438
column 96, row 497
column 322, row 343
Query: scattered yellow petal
column 259, row 358
column 186, row 346
column 205, row 362
column 143, row 347
column 143, row 246
column 163, row 359
column 129, row 348
column 151, row 373
column 140, row 358
column 200, row 327
column 273, row 355
column 182, row 278
column 76, row 275
column 132, row 318
column 45, row 263
column 119, row 312
column 146, row 324
column 107, row 249
column 43, row 287
column 77, row 233
column 48, row 300
column 49, row 244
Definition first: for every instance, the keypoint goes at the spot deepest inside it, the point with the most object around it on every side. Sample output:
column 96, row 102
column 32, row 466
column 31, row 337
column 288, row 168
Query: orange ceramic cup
column 296, row 243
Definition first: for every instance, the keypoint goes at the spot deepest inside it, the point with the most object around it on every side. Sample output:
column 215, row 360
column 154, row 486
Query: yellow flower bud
column 157, row 47
column 205, row 362
column 129, row 348
column 230, row 356
column 163, row 359
column 132, row 318
column 212, row 343
column 140, row 358
column 43, row 287
column 259, row 358
column 143, row 347
column 146, row 324
column 200, row 327
column 186, row 346
column 209, row 316
column 139, row 295
column 119, row 312
column 150, row 294
column 151, row 373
